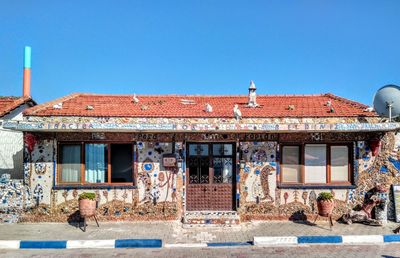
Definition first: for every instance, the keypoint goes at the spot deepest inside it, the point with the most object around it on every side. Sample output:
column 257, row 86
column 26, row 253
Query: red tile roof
column 8, row 104
column 173, row 106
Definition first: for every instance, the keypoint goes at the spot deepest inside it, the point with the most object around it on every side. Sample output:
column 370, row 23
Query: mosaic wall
column 200, row 124
column 14, row 199
column 160, row 191
column 156, row 183
column 157, row 195
column 258, row 178
column 262, row 200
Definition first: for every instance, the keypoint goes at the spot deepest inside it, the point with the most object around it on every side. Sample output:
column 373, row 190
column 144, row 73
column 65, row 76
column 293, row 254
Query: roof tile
column 8, row 104
column 194, row 106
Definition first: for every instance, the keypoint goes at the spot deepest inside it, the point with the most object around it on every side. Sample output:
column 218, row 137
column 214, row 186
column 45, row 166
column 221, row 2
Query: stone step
column 210, row 218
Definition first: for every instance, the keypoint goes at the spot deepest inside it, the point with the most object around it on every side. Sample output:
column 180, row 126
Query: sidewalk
column 174, row 233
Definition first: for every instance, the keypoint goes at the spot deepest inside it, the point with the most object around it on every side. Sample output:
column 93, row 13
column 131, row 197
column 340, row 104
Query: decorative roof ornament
column 236, row 112
column 58, row 106
column 252, row 102
column 369, row 109
column 208, row 108
column 89, row 107
column 135, row 99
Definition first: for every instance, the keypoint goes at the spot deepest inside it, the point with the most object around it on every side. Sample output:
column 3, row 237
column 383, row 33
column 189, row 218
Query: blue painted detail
column 237, row 196
column 319, row 239
column 257, row 171
column 148, row 166
column 366, row 157
column 229, row 244
column 391, row 238
column 43, row 244
column 383, row 169
column 396, row 163
column 207, row 221
column 138, row 243
column 273, row 164
column 278, row 169
column 27, row 59
column 237, row 178
column 357, row 152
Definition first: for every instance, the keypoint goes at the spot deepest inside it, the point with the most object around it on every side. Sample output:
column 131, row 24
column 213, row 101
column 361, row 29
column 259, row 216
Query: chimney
column 252, row 95
column 27, row 72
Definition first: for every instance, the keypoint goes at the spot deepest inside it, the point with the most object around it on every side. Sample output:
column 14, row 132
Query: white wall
column 11, row 146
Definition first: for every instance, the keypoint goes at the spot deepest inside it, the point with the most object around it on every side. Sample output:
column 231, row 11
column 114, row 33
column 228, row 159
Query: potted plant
column 87, row 204
column 325, row 204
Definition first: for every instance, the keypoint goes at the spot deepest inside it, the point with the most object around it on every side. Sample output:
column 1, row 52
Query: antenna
column 387, row 101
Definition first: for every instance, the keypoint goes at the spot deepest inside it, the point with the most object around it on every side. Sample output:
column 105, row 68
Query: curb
column 73, row 244
column 334, row 239
column 157, row 243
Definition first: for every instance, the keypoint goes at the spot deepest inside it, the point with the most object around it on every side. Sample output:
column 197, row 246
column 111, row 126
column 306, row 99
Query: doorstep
column 210, row 219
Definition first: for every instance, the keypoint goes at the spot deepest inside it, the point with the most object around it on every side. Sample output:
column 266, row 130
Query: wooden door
column 211, row 176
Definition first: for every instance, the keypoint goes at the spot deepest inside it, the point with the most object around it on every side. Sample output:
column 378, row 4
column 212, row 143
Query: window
column 315, row 164
column 210, row 163
column 291, row 159
column 121, row 163
column 95, row 163
column 71, row 163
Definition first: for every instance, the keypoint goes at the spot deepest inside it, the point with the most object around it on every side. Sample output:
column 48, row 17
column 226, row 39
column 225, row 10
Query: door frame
column 211, row 183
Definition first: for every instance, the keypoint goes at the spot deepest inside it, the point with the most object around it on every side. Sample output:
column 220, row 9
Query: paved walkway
column 173, row 232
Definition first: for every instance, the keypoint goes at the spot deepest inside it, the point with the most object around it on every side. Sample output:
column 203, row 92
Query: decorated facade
column 204, row 159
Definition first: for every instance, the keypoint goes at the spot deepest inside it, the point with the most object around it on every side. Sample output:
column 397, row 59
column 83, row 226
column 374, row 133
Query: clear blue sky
column 349, row 48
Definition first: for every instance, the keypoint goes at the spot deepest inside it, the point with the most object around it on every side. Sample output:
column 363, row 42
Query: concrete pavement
column 174, row 233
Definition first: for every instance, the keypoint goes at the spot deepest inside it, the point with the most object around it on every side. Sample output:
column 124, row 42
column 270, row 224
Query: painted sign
column 192, row 127
column 396, row 195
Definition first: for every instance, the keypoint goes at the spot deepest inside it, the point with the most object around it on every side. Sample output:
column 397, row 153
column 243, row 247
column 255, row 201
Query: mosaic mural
column 157, row 195
column 160, row 191
column 199, row 124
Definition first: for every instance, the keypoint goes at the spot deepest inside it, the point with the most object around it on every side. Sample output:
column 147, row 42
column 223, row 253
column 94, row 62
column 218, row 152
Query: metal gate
column 211, row 176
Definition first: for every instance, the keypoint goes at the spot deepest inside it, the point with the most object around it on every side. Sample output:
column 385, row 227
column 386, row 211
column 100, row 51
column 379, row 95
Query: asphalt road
column 336, row 251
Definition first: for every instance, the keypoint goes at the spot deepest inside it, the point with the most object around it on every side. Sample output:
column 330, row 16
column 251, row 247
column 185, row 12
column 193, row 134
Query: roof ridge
column 347, row 101
column 203, row 95
column 33, row 110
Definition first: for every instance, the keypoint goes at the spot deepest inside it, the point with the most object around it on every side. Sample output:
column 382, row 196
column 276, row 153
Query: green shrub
column 325, row 196
column 90, row 196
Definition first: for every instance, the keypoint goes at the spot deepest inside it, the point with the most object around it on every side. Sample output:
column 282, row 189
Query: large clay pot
column 325, row 208
column 87, row 207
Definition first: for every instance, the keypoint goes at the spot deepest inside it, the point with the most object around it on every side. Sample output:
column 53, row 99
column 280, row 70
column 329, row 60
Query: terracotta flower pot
column 325, row 207
column 87, row 207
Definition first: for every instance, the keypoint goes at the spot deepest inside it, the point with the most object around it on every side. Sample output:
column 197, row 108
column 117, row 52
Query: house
column 11, row 142
column 204, row 159
column 14, row 195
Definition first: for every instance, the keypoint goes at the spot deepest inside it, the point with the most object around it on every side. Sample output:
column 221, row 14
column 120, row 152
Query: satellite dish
column 387, row 101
